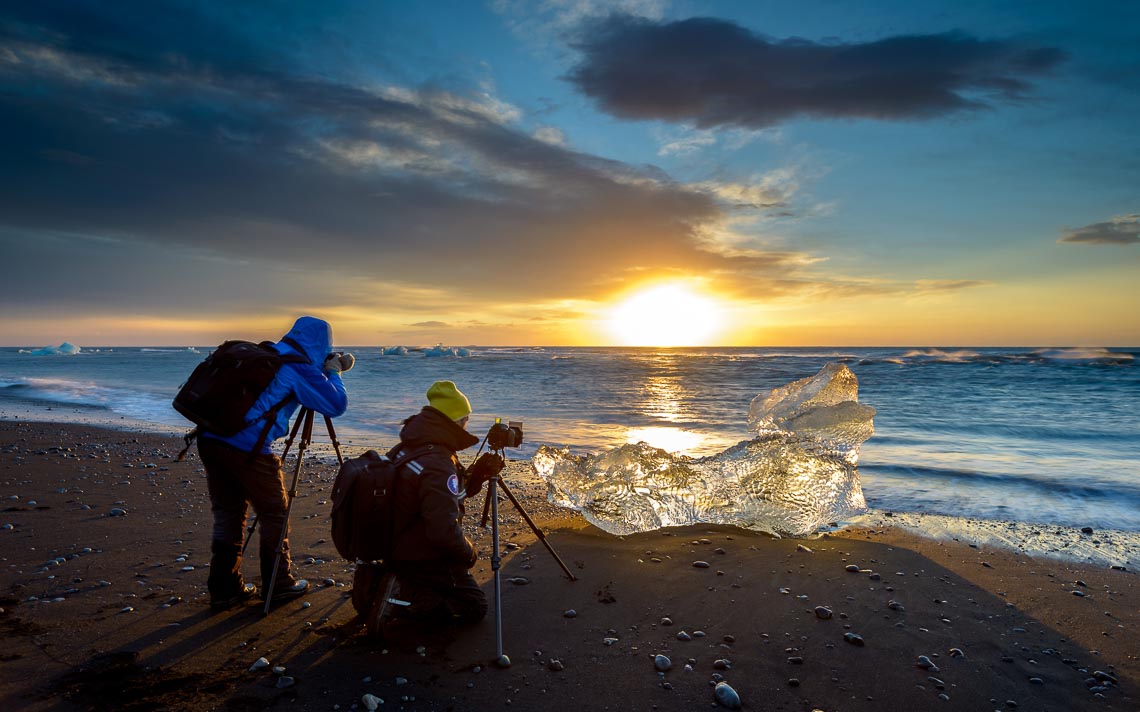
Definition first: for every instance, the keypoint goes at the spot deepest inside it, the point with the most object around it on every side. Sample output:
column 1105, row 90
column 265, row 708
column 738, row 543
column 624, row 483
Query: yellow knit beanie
column 447, row 399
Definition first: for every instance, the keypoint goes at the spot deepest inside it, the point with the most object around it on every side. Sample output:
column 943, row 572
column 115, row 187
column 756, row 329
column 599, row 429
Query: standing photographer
column 431, row 558
column 238, row 473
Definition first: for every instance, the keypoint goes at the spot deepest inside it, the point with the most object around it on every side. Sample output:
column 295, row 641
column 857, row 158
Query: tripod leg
column 535, row 529
column 306, row 436
column 249, row 534
column 301, row 416
column 335, row 442
column 288, row 444
column 486, row 509
column 496, row 560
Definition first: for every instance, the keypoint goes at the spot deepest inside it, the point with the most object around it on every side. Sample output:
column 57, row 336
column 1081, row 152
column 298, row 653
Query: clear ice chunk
column 797, row 474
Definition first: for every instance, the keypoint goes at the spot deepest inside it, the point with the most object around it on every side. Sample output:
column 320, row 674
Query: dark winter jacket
column 296, row 384
column 429, row 504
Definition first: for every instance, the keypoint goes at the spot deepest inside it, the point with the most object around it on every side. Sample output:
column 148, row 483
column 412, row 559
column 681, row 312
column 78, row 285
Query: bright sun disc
column 666, row 315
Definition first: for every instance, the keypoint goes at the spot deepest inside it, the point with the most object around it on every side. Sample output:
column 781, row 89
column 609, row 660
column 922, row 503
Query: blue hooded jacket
column 302, row 383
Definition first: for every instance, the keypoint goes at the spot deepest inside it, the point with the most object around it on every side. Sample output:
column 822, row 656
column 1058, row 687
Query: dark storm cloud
column 713, row 72
column 168, row 126
column 1123, row 230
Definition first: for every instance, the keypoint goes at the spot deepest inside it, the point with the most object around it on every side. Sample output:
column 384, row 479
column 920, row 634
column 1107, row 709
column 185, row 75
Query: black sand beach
column 105, row 543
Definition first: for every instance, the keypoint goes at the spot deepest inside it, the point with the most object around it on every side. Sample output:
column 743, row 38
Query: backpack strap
column 189, row 439
column 400, row 458
column 296, row 347
column 270, row 415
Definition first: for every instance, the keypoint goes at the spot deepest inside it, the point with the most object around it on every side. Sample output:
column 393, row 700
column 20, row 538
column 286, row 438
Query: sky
column 561, row 172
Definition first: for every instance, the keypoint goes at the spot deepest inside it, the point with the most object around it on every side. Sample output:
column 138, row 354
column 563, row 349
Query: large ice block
column 797, row 474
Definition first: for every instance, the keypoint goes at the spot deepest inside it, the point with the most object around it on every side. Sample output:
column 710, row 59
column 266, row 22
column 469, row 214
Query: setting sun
column 666, row 315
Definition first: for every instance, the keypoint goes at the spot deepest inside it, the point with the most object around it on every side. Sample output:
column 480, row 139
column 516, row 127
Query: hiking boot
column 243, row 594
column 384, row 605
column 289, row 590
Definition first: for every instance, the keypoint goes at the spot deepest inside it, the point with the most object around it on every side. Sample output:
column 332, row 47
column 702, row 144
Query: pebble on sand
column 371, row 702
column 285, row 681
column 259, row 664
column 852, row 568
column 662, row 663
column 725, row 696
column 823, row 612
column 701, row 564
column 926, row 663
column 854, row 639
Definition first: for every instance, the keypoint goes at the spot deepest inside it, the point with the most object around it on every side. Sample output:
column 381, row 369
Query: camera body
column 505, row 435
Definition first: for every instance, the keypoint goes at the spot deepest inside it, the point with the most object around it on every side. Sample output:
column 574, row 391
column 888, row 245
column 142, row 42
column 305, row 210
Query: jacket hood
column 313, row 335
column 432, row 426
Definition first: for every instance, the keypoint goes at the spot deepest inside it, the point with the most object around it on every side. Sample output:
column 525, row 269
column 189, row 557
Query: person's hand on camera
column 347, row 361
column 486, row 468
column 332, row 363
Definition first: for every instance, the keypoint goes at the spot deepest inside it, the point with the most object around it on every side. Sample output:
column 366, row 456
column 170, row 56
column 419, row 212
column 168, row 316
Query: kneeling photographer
column 427, row 576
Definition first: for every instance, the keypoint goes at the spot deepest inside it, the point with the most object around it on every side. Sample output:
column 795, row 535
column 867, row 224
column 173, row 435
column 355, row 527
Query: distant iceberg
column 441, row 350
column 394, row 351
column 797, row 475
column 64, row 349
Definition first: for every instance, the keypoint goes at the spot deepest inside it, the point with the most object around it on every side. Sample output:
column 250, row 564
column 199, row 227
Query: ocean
column 1043, row 436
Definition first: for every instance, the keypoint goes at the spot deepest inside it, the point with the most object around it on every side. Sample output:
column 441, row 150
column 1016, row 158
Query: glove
column 333, row 363
column 347, row 361
column 486, row 468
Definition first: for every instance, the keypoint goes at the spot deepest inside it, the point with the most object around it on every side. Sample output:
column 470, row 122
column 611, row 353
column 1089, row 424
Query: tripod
column 304, row 424
column 491, row 506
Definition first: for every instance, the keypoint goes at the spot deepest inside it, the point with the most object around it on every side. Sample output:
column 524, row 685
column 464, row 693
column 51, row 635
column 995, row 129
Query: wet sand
column 103, row 610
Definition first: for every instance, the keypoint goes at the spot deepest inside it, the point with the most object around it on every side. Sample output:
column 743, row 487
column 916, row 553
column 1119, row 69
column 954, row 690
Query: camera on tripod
column 501, row 436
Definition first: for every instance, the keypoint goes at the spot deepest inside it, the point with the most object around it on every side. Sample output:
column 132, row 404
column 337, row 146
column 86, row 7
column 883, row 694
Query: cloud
column 927, row 287
column 715, row 73
column 222, row 146
column 431, row 325
column 195, row 168
column 1120, row 230
column 686, row 143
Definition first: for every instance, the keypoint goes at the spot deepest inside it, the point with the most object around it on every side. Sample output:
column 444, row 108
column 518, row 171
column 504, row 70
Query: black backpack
column 221, row 390
column 364, row 503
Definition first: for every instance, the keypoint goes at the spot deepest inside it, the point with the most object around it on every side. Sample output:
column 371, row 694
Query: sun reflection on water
column 667, row 439
column 663, row 399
